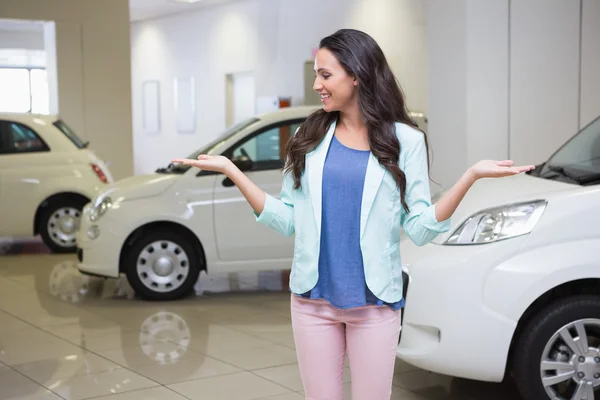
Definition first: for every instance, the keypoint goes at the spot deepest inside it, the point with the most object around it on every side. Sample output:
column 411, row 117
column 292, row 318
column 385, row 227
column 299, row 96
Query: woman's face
column 337, row 88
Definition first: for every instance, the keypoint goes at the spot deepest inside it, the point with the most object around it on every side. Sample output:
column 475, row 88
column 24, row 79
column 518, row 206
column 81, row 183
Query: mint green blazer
column 298, row 211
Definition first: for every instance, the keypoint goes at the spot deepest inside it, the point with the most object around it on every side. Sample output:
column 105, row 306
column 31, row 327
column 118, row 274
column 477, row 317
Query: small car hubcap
column 167, row 326
column 162, row 266
column 63, row 225
column 570, row 364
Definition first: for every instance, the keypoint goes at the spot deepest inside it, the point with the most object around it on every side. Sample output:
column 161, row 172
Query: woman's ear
column 355, row 81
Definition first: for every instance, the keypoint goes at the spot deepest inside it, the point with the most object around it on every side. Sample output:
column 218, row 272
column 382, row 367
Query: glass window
column 210, row 147
column 23, row 90
column 64, row 128
column 578, row 160
column 18, row 138
column 40, row 97
column 15, row 90
column 267, row 146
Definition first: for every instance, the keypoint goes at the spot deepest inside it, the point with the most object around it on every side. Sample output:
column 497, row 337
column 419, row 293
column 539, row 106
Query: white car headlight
column 499, row 223
column 101, row 205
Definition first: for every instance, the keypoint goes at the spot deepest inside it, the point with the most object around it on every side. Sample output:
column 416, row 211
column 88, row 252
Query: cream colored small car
column 47, row 175
column 161, row 230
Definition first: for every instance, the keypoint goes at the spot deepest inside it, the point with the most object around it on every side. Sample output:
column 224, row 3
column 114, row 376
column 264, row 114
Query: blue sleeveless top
column 341, row 270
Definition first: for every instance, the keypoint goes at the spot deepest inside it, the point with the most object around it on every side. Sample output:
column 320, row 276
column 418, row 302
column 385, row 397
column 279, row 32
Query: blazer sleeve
column 420, row 223
column 278, row 214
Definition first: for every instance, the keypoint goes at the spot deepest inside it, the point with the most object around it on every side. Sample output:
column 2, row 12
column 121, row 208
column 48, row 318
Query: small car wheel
column 162, row 265
column 557, row 355
column 59, row 223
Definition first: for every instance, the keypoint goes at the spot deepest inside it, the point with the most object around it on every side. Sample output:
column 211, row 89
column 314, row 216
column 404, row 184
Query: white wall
column 508, row 79
column 273, row 38
column 93, row 70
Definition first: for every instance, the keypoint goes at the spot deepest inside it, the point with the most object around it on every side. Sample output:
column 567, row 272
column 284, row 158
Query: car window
column 70, row 133
column 266, row 148
column 210, row 147
column 18, row 138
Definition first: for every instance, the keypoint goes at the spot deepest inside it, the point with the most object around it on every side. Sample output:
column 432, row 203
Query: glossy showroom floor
column 66, row 336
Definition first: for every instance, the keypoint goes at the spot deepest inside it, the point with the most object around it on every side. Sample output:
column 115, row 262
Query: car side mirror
column 243, row 163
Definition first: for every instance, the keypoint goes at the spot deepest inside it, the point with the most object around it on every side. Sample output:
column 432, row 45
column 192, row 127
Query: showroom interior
column 126, row 276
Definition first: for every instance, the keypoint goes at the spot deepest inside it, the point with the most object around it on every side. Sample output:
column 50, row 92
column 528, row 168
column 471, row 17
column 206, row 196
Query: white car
column 513, row 289
column 162, row 229
column 47, row 175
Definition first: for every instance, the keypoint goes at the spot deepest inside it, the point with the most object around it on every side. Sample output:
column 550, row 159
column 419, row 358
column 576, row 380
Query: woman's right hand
column 255, row 196
column 210, row 163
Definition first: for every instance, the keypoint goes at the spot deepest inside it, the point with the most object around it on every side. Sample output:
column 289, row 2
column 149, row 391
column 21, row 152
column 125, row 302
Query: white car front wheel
column 558, row 353
column 59, row 224
column 162, row 266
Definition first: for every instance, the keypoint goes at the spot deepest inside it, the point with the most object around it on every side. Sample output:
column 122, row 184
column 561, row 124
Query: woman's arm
column 446, row 206
column 254, row 195
column 277, row 214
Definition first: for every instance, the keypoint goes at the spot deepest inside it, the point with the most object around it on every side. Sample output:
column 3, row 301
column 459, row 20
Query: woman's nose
column 317, row 85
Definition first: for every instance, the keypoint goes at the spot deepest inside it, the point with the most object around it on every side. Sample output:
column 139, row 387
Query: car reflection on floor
column 85, row 328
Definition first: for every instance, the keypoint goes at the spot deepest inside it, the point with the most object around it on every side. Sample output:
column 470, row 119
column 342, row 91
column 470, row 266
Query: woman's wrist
column 230, row 169
column 470, row 176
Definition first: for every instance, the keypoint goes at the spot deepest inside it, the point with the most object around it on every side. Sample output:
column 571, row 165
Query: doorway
column 240, row 97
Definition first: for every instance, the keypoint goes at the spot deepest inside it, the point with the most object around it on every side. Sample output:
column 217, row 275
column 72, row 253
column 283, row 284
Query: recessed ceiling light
column 186, row 1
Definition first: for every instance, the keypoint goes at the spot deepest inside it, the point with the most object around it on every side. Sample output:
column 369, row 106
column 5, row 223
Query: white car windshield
column 224, row 137
column 578, row 160
column 211, row 146
column 70, row 133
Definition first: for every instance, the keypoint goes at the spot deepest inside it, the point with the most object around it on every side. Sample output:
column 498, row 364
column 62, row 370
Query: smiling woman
column 355, row 173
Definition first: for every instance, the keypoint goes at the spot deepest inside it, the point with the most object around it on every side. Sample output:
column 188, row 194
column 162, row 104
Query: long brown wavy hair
column 381, row 104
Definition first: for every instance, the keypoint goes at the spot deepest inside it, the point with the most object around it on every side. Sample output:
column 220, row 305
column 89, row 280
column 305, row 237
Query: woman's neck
column 352, row 120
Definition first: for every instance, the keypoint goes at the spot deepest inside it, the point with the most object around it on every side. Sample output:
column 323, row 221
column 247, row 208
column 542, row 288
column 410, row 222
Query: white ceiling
column 148, row 9
column 139, row 10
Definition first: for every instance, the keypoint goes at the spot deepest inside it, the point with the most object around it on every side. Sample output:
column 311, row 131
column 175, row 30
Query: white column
column 50, row 50
column 544, row 88
column 590, row 62
column 468, row 84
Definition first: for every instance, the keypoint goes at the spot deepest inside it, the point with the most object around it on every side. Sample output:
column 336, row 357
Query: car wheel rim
column 170, row 327
column 63, row 226
column 570, row 364
column 163, row 266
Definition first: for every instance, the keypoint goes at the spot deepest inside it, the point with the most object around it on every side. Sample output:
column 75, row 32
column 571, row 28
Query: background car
column 162, row 229
column 47, row 175
column 514, row 287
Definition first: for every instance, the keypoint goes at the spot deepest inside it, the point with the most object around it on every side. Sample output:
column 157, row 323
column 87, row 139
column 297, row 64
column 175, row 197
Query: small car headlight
column 101, row 205
column 499, row 223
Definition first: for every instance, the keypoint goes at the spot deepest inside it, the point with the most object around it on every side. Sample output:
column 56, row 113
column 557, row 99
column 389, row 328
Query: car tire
column 555, row 334
column 59, row 223
column 162, row 266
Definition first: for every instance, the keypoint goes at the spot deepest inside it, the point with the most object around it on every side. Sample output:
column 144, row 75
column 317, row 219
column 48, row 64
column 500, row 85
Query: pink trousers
column 323, row 334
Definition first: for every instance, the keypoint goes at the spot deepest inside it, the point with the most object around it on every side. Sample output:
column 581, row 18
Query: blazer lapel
column 315, row 160
column 373, row 178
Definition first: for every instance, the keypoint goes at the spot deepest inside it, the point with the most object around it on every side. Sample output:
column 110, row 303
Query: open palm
column 498, row 169
column 206, row 162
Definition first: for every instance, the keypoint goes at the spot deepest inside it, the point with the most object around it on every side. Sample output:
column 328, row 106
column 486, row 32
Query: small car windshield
column 210, row 147
column 70, row 133
column 578, row 160
column 225, row 136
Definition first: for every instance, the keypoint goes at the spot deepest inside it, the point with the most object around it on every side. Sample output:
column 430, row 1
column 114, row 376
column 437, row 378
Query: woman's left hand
column 497, row 169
